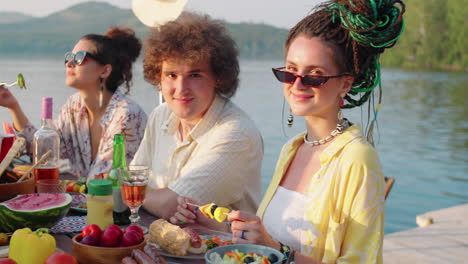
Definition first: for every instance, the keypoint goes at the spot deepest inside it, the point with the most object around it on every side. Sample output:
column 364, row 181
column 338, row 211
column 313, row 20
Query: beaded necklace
column 340, row 128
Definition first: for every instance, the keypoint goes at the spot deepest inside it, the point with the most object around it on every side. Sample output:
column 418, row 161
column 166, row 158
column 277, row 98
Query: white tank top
column 284, row 218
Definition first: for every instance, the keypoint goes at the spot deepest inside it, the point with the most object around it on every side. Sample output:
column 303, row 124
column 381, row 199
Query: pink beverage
column 133, row 193
column 46, row 145
column 46, row 173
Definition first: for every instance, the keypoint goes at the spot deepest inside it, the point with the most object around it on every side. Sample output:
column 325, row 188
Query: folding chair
column 388, row 186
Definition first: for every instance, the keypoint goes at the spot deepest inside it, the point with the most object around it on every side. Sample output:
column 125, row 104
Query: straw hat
column 154, row 13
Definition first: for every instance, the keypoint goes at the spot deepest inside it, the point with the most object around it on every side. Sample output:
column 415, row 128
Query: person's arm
column 217, row 175
column 19, row 118
column 8, row 100
column 161, row 202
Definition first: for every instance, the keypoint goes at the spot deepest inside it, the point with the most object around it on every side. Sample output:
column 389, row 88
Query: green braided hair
column 358, row 31
column 373, row 25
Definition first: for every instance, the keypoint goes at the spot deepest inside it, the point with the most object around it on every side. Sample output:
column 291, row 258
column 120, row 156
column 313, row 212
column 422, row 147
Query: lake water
column 423, row 128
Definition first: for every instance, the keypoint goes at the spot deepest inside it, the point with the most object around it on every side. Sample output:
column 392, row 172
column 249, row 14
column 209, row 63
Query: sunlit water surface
column 422, row 135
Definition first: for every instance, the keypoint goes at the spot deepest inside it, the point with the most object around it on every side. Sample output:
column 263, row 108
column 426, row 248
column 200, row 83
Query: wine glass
column 133, row 185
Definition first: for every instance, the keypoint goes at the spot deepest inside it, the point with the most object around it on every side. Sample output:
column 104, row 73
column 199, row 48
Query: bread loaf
column 169, row 237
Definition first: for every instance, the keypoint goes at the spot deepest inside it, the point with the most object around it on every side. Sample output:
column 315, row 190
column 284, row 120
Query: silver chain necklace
column 340, row 128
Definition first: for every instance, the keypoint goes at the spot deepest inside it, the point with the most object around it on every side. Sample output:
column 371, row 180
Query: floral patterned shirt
column 343, row 219
column 122, row 116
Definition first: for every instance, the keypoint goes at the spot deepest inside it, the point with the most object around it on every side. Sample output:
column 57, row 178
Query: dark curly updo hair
column 358, row 31
column 119, row 47
column 191, row 39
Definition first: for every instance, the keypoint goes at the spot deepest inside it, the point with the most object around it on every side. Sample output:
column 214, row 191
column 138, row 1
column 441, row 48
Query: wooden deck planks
column 445, row 241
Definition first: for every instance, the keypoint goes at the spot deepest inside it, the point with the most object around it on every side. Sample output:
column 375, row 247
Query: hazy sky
column 281, row 13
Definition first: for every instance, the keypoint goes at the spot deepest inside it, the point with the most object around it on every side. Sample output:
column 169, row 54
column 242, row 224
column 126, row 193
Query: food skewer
column 213, row 211
column 19, row 81
column 43, row 157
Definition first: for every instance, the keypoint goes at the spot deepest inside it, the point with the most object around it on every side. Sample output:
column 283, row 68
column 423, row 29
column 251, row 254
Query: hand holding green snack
column 19, row 81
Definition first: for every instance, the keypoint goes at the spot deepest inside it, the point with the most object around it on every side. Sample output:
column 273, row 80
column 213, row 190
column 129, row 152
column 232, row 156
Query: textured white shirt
column 218, row 162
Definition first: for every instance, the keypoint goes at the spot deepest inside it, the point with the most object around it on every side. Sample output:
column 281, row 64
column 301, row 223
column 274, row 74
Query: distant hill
column 58, row 32
column 13, row 17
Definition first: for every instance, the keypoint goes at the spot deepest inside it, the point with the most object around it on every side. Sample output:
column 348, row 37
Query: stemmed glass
column 133, row 186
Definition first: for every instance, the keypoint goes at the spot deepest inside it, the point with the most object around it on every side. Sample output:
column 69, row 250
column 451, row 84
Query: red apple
column 114, row 226
column 90, row 240
column 135, row 228
column 91, row 230
column 110, row 238
column 131, row 238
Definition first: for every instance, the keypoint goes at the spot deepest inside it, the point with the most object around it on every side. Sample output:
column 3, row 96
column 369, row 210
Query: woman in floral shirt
column 96, row 67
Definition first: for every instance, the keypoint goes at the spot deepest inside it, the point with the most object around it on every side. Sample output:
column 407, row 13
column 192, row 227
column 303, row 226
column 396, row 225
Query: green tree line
column 434, row 37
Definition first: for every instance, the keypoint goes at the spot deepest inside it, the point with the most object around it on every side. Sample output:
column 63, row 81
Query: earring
column 340, row 116
column 340, row 113
column 290, row 118
column 100, row 93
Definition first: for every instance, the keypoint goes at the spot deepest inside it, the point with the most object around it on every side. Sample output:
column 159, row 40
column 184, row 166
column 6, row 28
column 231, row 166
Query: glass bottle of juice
column 46, row 142
column 99, row 203
column 121, row 211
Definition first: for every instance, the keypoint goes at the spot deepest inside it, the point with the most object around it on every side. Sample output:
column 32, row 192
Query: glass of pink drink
column 133, row 186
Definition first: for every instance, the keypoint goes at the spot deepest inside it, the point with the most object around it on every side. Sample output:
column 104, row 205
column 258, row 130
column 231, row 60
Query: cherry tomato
column 70, row 186
column 91, row 230
column 61, row 258
column 233, row 255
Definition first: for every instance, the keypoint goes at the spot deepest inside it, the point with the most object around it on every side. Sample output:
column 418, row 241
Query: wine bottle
column 46, row 145
column 121, row 212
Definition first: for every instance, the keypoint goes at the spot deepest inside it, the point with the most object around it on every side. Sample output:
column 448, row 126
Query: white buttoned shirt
column 218, row 162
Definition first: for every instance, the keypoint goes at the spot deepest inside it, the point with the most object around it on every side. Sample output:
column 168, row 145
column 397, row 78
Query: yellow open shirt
column 345, row 205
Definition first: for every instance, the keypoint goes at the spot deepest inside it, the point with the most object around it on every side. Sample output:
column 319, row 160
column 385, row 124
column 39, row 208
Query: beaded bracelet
column 285, row 250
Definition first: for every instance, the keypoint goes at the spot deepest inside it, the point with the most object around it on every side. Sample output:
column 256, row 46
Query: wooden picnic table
column 64, row 241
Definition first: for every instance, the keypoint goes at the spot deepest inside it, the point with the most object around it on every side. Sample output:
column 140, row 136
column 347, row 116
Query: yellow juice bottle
column 100, row 203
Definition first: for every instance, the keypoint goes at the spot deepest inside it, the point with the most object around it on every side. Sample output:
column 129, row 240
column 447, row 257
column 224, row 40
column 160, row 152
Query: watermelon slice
column 33, row 210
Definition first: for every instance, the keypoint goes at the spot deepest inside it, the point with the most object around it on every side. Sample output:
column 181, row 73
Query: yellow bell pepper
column 27, row 247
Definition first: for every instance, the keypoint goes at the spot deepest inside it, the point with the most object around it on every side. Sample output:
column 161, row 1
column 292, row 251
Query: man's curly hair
column 193, row 39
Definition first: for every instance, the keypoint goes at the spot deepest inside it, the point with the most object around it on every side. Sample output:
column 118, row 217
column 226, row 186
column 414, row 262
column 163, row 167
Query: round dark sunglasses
column 308, row 80
column 79, row 57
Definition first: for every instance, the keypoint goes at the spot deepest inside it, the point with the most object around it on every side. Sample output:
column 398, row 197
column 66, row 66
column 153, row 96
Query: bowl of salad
column 243, row 253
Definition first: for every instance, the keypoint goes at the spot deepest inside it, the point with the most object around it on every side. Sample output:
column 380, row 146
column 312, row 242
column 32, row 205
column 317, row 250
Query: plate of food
column 185, row 243
column 78, row 202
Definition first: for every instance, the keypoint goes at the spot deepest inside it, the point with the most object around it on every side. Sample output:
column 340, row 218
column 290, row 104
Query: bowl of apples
column 107, row 246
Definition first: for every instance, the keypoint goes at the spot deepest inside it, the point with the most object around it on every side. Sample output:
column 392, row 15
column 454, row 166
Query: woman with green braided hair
column 325, row 202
